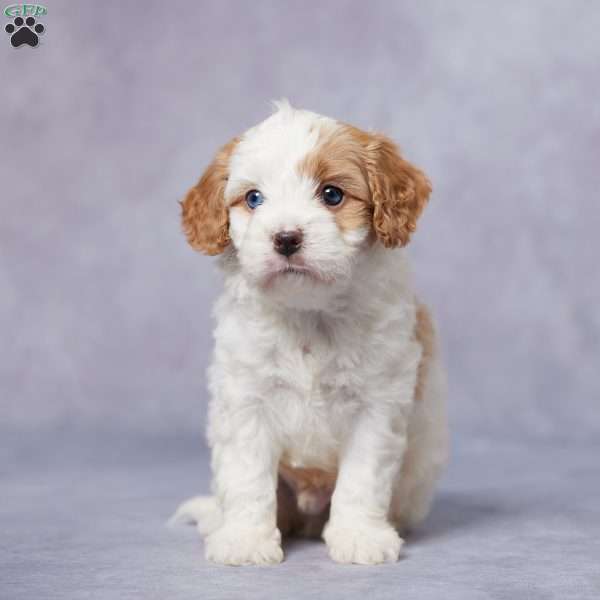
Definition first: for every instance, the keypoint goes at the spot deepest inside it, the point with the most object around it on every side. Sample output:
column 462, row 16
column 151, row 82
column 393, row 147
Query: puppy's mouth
column 291, row 270
column 295, row 271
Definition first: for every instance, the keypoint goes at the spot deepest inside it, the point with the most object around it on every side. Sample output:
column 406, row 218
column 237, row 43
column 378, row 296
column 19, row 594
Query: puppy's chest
column 314, row 387
column 317, row 367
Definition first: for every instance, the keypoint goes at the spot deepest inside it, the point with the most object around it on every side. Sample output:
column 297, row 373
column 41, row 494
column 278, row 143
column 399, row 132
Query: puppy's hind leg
column 203, row 511
column 427, row 451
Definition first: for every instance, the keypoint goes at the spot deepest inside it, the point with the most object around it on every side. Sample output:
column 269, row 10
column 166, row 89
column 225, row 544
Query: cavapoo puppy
column 327, row 414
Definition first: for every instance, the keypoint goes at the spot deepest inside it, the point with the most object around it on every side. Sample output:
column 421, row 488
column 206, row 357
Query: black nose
column 287, row 242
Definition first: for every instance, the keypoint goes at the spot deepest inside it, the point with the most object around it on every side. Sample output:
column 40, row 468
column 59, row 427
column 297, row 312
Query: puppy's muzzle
column 287, row 242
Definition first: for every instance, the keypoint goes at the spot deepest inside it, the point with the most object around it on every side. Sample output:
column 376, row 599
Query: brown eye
column 331, row 195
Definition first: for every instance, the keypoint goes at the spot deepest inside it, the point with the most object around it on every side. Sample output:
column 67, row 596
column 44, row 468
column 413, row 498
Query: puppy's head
column 298, row 198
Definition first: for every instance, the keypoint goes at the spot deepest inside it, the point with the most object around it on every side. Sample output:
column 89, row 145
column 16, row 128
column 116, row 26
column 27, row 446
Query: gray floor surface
column 84, row 517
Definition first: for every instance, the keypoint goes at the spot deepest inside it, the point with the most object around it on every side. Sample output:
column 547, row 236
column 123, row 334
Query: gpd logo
column 24, row 29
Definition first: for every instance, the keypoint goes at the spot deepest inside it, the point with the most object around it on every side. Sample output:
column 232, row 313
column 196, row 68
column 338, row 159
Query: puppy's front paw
column 362, row 544
column 232, row 545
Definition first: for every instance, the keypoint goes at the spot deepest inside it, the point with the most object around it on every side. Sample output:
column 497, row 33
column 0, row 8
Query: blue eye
column 254, row 198
column 332, row 196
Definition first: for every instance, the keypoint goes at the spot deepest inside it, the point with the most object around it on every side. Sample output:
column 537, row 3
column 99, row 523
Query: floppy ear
column 399, row 192
column 204, row 214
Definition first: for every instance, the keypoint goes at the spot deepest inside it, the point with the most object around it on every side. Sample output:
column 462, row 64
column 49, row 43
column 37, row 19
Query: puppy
column 327, row 414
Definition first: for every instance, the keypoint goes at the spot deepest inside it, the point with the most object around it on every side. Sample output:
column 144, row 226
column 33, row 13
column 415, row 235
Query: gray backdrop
column 105, row 311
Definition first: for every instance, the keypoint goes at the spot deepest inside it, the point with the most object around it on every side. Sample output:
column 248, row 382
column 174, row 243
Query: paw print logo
column 24, row 31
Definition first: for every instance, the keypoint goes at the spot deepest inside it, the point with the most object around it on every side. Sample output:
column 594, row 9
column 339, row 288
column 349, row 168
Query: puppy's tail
column 203, row 511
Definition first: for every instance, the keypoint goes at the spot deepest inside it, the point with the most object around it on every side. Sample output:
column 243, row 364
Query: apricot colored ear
column 399, row 192
column 204, row 214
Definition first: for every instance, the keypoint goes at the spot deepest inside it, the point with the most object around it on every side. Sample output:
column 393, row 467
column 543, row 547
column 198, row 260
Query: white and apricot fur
column 327, row 412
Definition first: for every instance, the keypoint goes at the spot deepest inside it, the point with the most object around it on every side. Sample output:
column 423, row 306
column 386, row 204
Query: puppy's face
column 298, row 198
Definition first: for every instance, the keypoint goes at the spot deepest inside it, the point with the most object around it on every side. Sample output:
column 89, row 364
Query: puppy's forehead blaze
column 270, row 152
column 339, row 159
